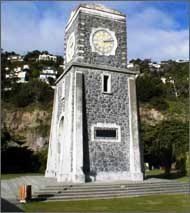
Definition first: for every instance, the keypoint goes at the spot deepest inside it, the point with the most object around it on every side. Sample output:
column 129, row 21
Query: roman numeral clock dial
column 103, row 41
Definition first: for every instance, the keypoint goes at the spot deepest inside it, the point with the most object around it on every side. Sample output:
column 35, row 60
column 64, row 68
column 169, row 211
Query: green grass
column 157, row 173
column 159, row 203
column 154, row 172
column 184, row 179
column 15, row 175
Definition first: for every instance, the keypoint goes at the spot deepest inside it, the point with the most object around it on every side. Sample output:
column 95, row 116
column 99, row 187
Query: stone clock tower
column 94, row 130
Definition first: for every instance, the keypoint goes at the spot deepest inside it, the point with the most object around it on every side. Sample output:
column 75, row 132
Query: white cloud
column 23, row 30
column 154, row 34
column 151, row 32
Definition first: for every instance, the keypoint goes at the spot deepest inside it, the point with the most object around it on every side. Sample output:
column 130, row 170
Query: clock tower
column 96, row 35
column 94, row 130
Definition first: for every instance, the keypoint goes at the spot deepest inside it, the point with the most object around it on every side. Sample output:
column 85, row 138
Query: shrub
column 18, row 160
column 35, row 91
column 149, row 87
column 181, row 165
column 42, row 160
column 159, row 103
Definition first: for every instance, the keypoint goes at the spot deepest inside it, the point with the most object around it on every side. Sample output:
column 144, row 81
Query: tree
column 35, row 91
column 149, row 86
column 8, row 77
column 177, row 75
column 165, row 141
column 32, row 55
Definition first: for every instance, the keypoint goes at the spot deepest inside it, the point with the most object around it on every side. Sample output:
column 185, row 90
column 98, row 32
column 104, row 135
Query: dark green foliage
column 32, row 55
column 59, row 71
column 164, row 142
column 42, row 160
column 59, row 60
column 179, row 73
column 35, row 91
column 159, row 103
column 35, row 73
column 18, row 160
column 143, row 64
column 181, row 164
column 5, row 82
column 43, row 130
column 22, row 159
column 5, row 137
column 148, row 87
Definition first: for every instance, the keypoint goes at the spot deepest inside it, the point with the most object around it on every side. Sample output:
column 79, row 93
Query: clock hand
column 108, row 40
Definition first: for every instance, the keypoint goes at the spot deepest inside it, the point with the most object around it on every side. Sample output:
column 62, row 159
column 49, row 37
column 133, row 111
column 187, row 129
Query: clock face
column 70, row 47
column 104, row 42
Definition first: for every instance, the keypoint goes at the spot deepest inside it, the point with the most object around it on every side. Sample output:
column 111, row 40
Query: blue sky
column 156, row 29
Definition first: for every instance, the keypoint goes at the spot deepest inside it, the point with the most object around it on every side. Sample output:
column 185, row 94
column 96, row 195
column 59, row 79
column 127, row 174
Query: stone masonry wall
column 82, row 27
column 106, row 108
column 85, row 25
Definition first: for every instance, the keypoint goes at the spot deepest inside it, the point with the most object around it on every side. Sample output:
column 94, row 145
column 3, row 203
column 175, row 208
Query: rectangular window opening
column 106, row 83
column 106, row 133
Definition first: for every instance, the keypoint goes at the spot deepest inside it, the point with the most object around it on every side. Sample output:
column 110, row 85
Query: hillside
column 29, row 126
column 163, row 108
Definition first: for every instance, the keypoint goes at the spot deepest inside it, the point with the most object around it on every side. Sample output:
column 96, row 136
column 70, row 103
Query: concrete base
column 117, row 176
column 71, row 178
column 50, row 174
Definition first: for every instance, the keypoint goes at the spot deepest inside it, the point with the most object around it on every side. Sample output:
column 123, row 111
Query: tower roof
column 101, row 7
column 97, row 9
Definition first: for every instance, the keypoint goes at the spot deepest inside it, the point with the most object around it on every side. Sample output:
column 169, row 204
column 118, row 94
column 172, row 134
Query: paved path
column 10, row 190
column 10, row 187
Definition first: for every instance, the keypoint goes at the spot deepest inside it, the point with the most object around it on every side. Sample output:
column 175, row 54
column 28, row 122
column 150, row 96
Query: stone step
column 112, row 184
column 127, row 192
column 107, row 196
column 111, row 190
column 116, row 186
column 92, row 190
column 95, row 191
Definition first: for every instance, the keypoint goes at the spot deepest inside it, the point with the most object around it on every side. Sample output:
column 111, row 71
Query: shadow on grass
column 171, row 176
column 7, row 206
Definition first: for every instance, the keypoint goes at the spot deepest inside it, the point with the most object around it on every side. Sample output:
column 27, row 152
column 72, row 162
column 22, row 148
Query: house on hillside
column 47, row 57
column 23, row 76
column 14, row 58
column 22, row 73
column 154, row 66
column 181, row 61
column 48, row 74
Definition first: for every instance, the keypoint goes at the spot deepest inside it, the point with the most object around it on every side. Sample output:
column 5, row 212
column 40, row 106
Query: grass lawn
column 15, row 175
column 159, row 203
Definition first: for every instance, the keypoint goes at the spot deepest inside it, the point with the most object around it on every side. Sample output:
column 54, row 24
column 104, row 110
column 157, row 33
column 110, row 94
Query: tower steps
column 106, row 191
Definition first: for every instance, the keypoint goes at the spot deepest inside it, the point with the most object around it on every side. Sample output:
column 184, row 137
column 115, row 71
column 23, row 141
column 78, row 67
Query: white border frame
column 92, row 11
column 106, row 126
column 71, row 37
column 112, row 33
column 63, row 90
